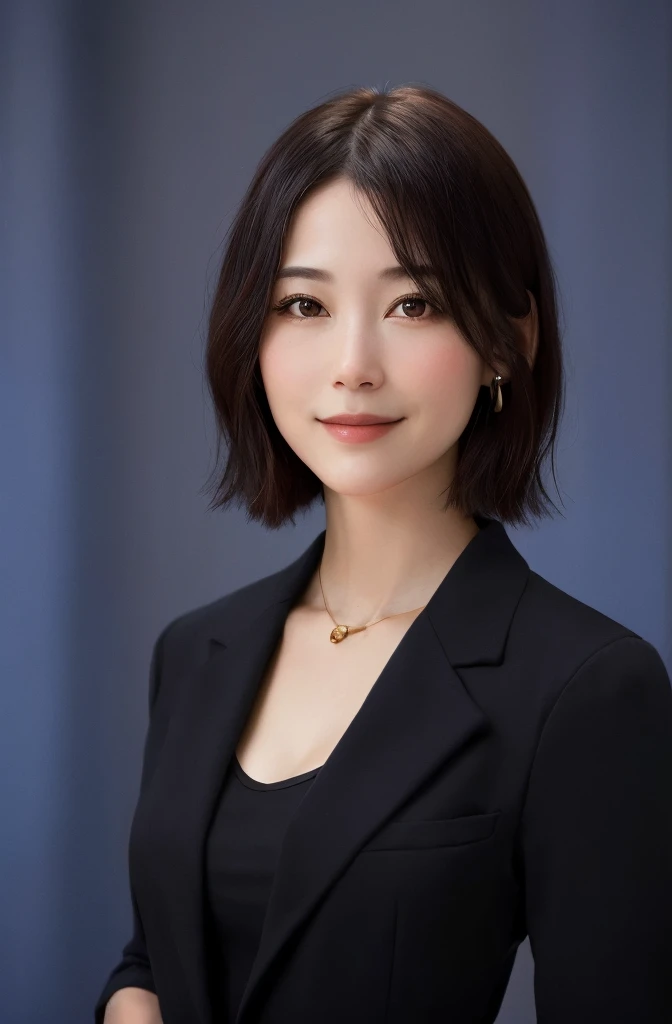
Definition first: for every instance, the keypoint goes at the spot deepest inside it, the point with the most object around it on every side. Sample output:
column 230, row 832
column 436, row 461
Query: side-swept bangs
column 461, row 222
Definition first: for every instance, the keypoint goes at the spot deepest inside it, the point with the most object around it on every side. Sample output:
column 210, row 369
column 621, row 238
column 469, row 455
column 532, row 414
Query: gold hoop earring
column 497, row 404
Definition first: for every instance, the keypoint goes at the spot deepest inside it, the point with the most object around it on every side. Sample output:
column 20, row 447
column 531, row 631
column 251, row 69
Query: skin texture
column 133, row 1005
column 356, row 347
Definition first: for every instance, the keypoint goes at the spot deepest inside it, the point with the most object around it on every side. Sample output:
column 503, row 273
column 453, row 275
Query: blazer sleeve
column 596, row 841
column 134, row 968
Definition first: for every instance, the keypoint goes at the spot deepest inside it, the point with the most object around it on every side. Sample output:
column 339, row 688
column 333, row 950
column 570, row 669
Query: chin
column 357, row 485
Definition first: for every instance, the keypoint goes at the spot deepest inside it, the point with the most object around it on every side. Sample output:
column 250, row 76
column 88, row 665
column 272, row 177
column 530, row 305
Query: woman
column 367, row 777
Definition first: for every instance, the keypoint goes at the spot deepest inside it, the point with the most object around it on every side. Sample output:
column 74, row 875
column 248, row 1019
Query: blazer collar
column 416, row 717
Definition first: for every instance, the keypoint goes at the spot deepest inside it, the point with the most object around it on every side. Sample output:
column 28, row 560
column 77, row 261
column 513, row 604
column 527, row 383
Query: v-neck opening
column 251, row 783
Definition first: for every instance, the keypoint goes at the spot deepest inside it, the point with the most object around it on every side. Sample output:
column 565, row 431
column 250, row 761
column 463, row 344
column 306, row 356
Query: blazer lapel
column 417, row 715
column 209, row 716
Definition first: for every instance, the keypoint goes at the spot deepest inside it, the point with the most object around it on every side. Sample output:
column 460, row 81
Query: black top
column 242, row 848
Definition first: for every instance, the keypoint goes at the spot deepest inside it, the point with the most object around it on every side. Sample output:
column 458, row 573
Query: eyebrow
column 388, row 274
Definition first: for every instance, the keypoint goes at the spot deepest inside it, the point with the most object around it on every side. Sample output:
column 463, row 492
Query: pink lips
column 354, row 429
column 358, row 418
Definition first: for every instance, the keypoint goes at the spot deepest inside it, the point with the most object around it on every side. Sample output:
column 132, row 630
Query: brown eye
column 307, row 307
column 413, row 307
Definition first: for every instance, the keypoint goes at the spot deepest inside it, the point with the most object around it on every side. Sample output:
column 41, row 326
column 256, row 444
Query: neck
column 383, row 556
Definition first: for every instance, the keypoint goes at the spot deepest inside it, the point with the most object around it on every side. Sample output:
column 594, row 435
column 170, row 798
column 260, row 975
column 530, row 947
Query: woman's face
column 349, row 342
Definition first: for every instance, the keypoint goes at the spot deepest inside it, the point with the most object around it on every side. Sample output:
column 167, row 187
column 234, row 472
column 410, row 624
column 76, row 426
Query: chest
column 311, row 691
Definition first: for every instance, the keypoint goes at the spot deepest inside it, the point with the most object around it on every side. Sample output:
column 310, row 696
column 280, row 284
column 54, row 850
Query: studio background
column 129, row 134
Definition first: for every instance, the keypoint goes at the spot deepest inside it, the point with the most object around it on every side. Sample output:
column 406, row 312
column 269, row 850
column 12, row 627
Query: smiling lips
column 355, row 428
column 359, row 419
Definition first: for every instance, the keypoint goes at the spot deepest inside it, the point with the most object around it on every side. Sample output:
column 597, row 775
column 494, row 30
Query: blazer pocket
column 437, row 832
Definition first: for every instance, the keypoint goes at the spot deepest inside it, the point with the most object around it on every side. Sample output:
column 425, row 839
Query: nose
column 357, row 356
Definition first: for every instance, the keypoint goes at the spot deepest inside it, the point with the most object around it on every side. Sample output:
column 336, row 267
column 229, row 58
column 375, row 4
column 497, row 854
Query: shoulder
column 566, row 644
column 565, row 620
column 193, row 629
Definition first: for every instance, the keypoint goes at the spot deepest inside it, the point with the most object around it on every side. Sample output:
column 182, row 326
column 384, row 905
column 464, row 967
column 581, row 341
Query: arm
column 596, row 839
column 133, row 1006
column 133, row 973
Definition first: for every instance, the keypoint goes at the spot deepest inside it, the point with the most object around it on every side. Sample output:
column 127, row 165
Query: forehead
column 336, row 223
column 335, row 236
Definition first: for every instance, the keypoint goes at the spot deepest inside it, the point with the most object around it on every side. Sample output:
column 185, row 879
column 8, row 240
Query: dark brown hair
column 448, row 196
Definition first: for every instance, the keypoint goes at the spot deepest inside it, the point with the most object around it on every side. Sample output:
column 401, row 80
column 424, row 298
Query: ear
column 528, row 332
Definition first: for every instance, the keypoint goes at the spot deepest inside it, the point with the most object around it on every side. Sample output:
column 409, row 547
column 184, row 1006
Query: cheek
column 443, row 374
column 286, row 374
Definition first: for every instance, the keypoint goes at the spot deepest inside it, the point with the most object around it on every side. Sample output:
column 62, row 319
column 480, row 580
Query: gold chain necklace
column 340, row 632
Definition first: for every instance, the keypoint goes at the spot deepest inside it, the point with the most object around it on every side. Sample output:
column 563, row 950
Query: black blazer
column 509, row 774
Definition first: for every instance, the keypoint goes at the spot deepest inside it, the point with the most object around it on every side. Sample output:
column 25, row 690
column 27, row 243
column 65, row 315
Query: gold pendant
column 338, row 633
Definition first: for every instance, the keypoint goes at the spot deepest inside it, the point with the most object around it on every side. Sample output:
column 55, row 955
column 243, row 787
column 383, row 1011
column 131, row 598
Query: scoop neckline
column 251, row 783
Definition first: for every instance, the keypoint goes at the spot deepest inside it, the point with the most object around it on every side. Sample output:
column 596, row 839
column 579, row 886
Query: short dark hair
column 447, row 195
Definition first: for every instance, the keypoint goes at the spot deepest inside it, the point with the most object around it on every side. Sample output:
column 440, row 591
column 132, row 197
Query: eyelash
column 282, row 307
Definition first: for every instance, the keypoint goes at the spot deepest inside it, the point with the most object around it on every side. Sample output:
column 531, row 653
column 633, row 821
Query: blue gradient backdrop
column 129, row 133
